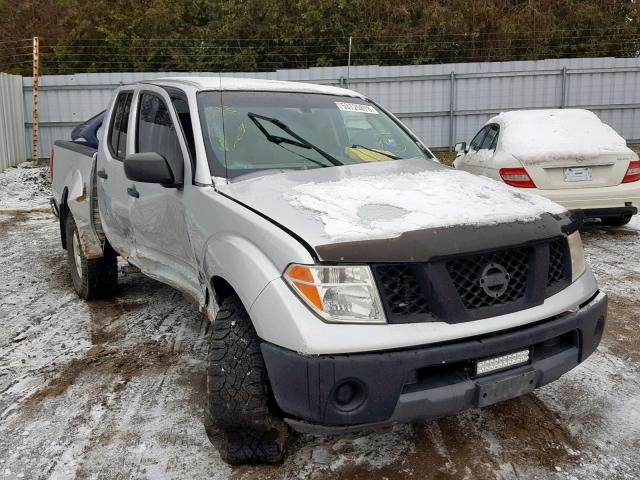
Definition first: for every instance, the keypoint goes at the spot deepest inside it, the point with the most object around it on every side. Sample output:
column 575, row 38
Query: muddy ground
column 115, row 389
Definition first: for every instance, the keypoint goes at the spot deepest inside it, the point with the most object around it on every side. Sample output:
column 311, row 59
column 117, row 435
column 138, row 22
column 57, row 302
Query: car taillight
column 51, row 165
column 633, row 172
column 516, row 177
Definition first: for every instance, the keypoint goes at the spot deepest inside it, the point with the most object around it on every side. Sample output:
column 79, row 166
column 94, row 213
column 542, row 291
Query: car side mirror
column 461, row 147
column 149, row 167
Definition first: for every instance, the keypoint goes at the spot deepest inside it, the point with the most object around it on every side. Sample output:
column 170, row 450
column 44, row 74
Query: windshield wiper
column 381, row 152
column 301, row 142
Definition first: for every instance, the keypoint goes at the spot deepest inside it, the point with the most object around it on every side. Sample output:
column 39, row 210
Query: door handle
column 133, row 192
column 102, row 174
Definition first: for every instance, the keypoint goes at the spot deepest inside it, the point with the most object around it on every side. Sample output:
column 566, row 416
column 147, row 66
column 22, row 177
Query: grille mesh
column 466, row 274
column 556, row 262
column 401, row 290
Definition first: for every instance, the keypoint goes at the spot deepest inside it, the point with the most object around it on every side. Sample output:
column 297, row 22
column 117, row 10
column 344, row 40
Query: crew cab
column 567, row 155
column 352, row 280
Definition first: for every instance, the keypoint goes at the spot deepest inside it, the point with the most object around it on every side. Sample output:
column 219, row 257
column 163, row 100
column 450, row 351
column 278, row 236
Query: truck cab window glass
column 156, row 133
column 349, row 130
column 120, row 125
column 182, row 110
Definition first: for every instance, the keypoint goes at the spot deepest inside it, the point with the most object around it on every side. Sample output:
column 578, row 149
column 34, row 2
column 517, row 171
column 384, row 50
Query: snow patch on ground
column 414, row 201
column 537, row 136
column 24, row 186
column 368, row 450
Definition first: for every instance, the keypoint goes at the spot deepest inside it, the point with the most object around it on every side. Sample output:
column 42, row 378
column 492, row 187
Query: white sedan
column 568, row 156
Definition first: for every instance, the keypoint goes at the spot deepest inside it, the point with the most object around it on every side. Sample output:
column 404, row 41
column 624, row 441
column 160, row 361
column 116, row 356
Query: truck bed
column 73, row 187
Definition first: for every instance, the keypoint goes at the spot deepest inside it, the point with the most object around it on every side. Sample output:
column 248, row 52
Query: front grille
column 467, row 276
column 400, row 290
column 557, row 262
column 473, row 286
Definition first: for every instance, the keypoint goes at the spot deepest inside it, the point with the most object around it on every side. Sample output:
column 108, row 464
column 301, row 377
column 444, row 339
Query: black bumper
column 426, row 382
column 613, row 212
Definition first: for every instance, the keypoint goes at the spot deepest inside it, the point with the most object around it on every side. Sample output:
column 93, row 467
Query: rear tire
column 96, row 278
column 240, row 415
column 617, row 221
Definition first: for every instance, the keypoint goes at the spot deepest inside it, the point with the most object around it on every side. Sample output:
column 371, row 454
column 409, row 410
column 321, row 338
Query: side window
column 477, row 140
column 120, row 125
column 182, row 110
column 491, row 138
column 156, row 132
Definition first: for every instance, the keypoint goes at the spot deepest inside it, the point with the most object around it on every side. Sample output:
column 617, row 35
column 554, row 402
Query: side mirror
column 461, row 147
column 148, row 167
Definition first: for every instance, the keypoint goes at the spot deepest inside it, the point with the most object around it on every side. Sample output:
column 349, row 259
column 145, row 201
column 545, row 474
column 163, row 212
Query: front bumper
column 426, row 382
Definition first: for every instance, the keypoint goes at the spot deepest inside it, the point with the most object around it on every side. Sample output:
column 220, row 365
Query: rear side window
column 477, row 140
column 156, row 133
column 120, row 125
column 490, row 139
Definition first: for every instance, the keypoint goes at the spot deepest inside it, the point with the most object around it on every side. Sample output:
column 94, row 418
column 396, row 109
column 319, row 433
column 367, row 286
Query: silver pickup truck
column 352, row 281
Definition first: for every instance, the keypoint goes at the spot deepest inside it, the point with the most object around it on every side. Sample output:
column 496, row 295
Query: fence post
column 349, row 61
column 563, row 97
column 35, row 152
column 452, row 85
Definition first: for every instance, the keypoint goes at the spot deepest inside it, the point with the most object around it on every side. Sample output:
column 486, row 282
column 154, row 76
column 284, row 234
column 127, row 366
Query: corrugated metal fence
column 12, row 130
column 442, row 104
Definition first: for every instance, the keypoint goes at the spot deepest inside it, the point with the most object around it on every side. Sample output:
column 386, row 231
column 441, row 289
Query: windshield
column 247, row 132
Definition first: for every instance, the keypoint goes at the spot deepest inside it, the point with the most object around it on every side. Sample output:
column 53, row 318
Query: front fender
column 242, row 264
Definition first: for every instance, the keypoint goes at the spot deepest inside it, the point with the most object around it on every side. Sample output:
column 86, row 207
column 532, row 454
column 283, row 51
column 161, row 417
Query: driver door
column 157, row 213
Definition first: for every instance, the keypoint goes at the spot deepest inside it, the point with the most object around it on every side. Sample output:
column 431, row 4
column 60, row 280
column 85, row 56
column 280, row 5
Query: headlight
column 337, row 294
column 578, row 264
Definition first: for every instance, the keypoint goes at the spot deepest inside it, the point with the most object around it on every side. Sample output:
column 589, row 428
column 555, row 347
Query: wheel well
column 221, row 288
column 64, row 212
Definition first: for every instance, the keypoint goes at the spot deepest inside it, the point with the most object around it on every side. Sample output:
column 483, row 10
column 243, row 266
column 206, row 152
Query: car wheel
column 95, row 278
column 617, row 221
column 241, row 418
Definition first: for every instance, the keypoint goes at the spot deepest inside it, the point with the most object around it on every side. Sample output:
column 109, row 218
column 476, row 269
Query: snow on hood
column 535, row 136
column 380, row 200
column 386, row 206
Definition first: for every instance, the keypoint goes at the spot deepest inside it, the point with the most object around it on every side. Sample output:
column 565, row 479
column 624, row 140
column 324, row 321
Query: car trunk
column 579, row 171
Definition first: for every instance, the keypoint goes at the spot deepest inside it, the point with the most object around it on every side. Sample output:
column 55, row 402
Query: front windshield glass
column 247, row 132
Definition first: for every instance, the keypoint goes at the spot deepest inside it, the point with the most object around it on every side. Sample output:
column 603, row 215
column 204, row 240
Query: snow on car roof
column 542, row 135
column 257, row 84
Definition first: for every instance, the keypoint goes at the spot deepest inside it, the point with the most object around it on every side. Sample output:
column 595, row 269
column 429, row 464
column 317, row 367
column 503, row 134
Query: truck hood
column 406, row 210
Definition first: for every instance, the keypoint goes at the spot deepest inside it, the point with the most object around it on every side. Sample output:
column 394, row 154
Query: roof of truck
column 255, row 84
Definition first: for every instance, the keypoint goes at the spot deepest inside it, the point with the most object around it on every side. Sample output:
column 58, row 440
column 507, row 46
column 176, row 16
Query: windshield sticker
column 355, row 107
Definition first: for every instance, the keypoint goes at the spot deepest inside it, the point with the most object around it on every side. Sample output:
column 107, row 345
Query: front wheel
column 241, row 420
column 95, row 278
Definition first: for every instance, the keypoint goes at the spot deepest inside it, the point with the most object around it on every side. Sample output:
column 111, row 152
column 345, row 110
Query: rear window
column 120, row 125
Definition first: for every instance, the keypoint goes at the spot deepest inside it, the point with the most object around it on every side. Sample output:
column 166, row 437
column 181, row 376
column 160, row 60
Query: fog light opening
column 348, row 395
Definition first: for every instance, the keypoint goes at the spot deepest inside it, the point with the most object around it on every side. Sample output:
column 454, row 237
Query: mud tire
column 240, row 415
column 96, row 278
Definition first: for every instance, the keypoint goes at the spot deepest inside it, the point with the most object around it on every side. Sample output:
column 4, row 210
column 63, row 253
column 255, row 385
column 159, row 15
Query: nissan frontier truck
column 351, row 280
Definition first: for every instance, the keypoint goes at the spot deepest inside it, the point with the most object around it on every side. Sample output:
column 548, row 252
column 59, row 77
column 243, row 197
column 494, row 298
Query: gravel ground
column 115, row 389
